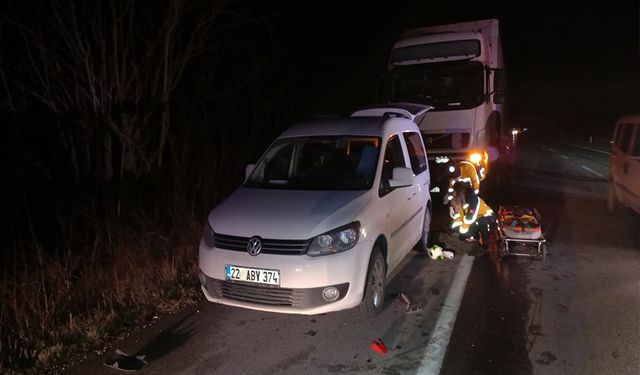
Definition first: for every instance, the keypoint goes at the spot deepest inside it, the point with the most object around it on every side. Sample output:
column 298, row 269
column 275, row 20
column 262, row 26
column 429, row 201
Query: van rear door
column 631, row 171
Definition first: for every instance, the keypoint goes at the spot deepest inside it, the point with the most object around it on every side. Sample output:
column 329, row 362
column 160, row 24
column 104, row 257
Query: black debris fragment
column 123, row 361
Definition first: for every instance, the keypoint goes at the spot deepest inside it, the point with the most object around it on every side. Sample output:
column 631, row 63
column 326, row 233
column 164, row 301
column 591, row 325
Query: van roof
column 406, row 110
column 337, row 126
column 629, row 117
column 369, row 121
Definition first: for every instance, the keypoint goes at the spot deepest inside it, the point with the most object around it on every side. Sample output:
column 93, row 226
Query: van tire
column 374, row 289
column 423, row 243
column 613, row 204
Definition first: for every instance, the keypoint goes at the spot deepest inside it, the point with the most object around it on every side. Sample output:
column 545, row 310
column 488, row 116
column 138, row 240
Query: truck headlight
column 335, row 241
column 207, row 235
column 475, row 158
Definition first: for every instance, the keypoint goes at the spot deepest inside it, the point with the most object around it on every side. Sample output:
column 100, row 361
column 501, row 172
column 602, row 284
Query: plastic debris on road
column 435, row 252
column 404, row 298
column 379, row 347
column 123, row 361
column 410, row 307
column 447, row 254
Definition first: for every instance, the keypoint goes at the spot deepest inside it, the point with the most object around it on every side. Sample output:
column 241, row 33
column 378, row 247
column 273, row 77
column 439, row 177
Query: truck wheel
column 423, row 244
column 613, row 204
column 374, row 289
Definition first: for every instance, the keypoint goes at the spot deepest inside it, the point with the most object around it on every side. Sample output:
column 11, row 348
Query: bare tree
column 111, row 67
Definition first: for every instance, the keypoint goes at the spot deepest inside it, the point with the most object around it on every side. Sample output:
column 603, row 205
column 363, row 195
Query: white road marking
column 437, row 346
column 564, row 156
column 588, row 148
column 592, row 171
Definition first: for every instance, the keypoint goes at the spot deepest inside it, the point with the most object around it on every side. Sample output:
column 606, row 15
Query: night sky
column 568, row 66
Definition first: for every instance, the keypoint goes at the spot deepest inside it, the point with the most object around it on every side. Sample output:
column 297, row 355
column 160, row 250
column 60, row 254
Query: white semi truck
column 457, row 69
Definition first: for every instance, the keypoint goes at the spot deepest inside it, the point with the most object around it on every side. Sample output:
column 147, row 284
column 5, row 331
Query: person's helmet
column 435, row 252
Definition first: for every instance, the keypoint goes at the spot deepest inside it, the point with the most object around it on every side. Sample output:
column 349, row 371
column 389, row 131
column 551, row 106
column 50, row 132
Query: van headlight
column 335, row 241
column 207, row 235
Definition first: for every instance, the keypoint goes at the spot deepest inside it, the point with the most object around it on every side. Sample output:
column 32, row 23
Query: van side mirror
column 402, row 177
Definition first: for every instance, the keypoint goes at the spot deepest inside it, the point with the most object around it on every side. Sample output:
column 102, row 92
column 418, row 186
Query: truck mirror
column 498, row 86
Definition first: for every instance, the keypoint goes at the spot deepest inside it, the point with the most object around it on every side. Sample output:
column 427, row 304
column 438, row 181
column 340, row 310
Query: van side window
column 618, row 135
column 417, row 155
column 393, row 157
column 635, row 147
column 625, row 138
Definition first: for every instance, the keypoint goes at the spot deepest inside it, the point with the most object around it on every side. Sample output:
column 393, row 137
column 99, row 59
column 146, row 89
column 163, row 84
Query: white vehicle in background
column 323, row 218
column 458, row 69
column 624, row 164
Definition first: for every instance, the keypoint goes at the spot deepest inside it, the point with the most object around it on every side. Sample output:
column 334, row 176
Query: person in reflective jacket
column 471, row 217
column 466, row 172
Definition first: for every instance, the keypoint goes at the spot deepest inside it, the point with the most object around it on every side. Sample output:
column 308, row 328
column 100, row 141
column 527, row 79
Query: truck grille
column 269, row 246
column 446, row 141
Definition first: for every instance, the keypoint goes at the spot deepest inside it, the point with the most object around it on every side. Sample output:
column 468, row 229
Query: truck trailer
column 457, row 69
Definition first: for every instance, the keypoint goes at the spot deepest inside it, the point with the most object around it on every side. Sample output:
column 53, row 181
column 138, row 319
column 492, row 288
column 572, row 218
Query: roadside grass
column 55, row 309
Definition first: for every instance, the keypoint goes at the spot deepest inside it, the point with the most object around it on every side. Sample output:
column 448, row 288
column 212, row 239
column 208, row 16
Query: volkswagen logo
column 254, row 246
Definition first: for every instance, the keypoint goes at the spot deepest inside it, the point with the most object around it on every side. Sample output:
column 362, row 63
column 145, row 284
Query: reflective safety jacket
column 469, row 214
column 469, row 175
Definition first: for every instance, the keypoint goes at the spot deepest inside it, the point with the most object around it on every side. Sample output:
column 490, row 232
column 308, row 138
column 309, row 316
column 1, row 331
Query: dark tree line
column 115, row 108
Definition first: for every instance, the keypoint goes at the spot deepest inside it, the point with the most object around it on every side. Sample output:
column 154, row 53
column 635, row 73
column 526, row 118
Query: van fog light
column 330, row 293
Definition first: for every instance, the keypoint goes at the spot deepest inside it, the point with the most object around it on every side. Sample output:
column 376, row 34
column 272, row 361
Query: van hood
column 286, row 214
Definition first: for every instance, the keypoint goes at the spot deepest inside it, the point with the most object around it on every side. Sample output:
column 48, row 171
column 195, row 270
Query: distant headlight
column 207, row 234
column 335, row 241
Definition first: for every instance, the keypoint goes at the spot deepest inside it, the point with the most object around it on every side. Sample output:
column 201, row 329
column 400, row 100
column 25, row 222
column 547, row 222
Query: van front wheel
column 374, row 289
column 612, row 198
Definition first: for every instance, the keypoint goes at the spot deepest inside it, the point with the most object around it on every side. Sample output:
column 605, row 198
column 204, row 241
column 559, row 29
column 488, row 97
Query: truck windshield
column 445, row 86
column 318, row 163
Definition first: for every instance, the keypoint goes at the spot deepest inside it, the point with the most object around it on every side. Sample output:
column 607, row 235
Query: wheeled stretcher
column 519, row 233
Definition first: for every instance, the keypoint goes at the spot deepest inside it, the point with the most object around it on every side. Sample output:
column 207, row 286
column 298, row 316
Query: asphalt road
column 576, row 312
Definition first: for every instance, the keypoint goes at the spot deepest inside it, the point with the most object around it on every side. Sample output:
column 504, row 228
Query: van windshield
column 318, row 163
column 445, row 86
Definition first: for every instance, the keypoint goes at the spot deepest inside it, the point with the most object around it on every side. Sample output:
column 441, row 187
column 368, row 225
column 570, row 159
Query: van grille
column 262, row 295
column 269, row 246
column 269, row 295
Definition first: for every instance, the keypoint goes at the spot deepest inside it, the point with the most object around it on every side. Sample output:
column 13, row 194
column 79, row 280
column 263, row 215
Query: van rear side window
column 624, row 137
column 635, row 148
column 416, row 152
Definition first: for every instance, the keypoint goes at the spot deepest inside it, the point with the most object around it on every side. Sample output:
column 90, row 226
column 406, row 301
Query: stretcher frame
column 510, row 245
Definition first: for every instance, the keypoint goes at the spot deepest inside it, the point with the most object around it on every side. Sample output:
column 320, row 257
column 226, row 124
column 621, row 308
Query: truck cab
column 458, row 70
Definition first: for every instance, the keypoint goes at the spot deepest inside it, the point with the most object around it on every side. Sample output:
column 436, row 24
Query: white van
column 323, row 218
column 624, row 164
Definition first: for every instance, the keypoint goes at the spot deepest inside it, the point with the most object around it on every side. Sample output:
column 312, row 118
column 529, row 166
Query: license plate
column 252, row 275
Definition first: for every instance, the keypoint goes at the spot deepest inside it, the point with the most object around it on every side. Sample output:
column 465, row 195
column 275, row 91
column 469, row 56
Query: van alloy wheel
column 377, row 282
column 373, row 301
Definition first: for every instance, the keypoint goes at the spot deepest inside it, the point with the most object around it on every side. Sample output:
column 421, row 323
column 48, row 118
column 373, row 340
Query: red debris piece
column 379, row 346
